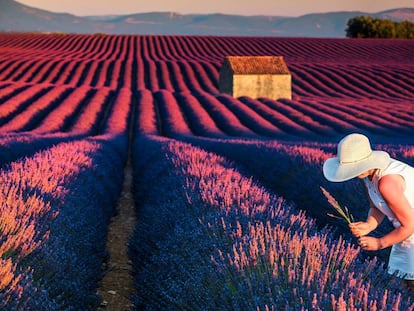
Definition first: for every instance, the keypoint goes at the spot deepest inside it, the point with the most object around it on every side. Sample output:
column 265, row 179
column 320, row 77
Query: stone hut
column 255, row 76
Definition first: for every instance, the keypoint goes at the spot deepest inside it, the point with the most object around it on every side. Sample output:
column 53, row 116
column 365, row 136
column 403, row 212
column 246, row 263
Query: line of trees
column 368, row 27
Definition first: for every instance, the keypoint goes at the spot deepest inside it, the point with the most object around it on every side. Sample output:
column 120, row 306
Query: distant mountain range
column 16, row 17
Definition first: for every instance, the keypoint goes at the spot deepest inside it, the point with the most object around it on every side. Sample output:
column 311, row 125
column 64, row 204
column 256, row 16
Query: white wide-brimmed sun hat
column 354, row 157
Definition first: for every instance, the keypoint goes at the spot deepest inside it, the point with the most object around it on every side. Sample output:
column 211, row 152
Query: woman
column 390, row 188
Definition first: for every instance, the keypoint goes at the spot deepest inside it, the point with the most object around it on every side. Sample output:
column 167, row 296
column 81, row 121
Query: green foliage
column 368, row 27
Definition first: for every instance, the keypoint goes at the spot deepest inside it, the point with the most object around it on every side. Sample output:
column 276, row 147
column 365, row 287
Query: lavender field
column 230, row 215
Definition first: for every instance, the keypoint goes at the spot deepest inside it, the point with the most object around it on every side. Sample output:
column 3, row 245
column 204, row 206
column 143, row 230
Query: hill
column 16, row 17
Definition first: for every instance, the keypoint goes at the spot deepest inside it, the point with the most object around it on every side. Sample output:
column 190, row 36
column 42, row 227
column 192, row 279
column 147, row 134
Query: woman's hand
column 360, row 228
column 369, row 243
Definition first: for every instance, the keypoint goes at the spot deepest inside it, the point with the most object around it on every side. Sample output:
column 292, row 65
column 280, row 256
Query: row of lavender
column 55, row 208
column 58, row 192
column 217, row 239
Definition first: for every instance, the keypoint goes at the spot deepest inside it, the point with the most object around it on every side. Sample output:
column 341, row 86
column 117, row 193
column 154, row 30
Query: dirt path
column 117, row 284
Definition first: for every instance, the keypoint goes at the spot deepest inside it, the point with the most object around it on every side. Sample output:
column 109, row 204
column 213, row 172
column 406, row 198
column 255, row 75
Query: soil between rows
column 117, row 285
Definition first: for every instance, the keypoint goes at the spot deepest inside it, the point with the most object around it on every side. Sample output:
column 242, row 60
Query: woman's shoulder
column 397, row 171
column 397, row 167
column 391, row 181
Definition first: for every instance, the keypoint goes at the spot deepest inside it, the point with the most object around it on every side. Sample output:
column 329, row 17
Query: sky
column 240, row 7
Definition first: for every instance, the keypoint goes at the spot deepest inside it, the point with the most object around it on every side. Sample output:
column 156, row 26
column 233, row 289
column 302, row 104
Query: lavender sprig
column 343, row 212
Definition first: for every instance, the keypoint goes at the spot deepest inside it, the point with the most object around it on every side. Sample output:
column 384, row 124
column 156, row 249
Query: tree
column 359, row 27
column 385, row 29
column 405, row 30
column 368, row 27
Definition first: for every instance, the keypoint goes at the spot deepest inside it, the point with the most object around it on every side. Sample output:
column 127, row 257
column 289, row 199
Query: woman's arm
column 374, row 218
column 392, row 189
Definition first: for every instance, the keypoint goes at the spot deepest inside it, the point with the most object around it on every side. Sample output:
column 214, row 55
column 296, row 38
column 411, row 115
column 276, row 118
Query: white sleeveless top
column 401, row 260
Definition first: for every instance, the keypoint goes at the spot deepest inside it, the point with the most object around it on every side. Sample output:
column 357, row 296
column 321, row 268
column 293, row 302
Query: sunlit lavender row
column 55, row 207
column 218, row 239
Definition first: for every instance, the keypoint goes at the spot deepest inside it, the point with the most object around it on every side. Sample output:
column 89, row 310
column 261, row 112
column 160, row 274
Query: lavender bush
column 210, row 238
column 17, row 145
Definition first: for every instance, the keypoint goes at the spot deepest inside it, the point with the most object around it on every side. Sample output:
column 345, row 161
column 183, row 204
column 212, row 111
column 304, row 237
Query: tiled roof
column 257, row 64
